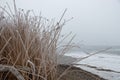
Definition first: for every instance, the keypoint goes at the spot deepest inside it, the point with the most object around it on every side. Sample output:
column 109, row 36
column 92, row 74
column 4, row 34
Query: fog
column 95, row 22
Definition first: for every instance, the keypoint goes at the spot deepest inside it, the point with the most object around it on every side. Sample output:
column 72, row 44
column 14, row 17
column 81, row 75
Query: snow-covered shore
column 103, row 64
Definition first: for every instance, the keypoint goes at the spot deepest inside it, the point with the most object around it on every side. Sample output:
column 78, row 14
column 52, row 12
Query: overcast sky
column 96, row 22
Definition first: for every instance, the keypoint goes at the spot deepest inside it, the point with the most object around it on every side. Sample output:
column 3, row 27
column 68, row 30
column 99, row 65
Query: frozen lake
column 105, row 64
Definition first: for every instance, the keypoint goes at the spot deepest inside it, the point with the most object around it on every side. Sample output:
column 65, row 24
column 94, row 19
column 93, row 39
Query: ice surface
column 103, row 64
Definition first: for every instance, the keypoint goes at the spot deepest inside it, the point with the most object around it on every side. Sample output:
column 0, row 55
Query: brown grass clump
column 28, row 46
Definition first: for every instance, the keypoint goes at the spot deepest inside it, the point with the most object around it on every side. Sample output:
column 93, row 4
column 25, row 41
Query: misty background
column 95, row 22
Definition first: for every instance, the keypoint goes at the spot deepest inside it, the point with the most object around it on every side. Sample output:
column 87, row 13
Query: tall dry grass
column 28, row 44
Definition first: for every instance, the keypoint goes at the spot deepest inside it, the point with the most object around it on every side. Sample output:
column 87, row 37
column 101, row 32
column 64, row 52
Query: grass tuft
column 29, row 44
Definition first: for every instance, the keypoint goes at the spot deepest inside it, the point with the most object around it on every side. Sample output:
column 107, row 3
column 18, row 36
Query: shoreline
column 103, row 65
column 64, row 63
column 76, row 73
